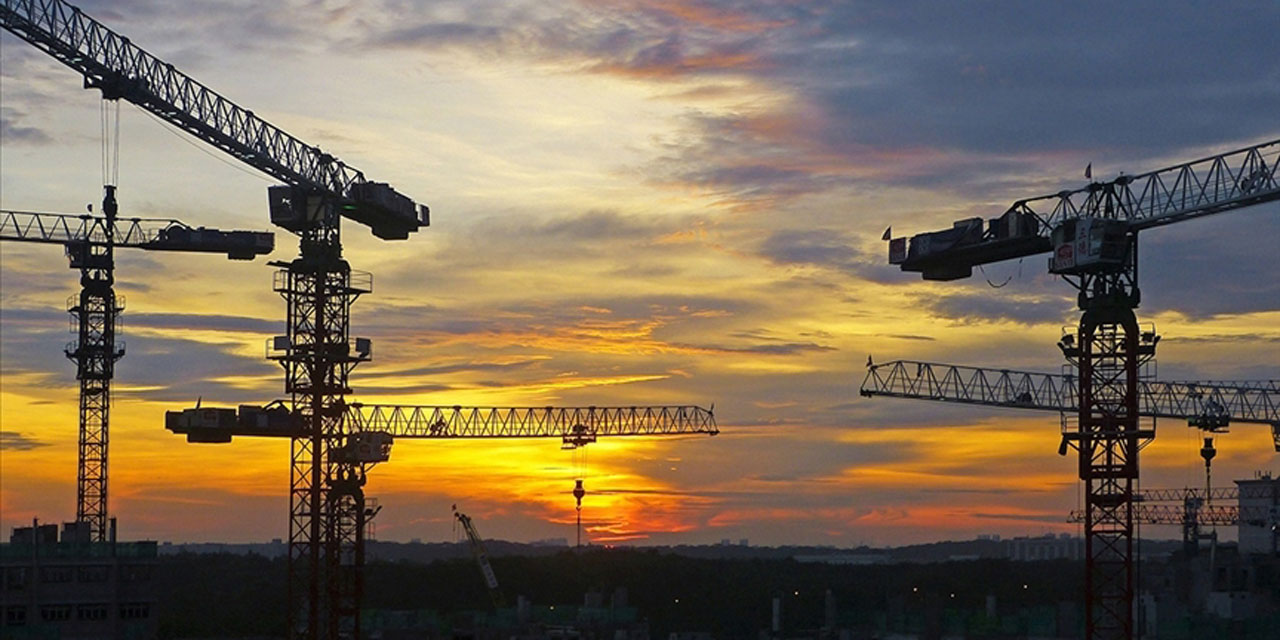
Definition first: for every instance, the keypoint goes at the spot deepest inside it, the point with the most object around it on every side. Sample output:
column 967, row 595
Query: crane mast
column 90, row 243
column 1092, row 235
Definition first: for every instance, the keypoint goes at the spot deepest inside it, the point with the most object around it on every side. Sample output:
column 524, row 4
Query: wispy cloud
column 18, row 441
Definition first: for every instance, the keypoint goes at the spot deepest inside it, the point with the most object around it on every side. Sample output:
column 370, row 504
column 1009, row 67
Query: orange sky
column 667, row 202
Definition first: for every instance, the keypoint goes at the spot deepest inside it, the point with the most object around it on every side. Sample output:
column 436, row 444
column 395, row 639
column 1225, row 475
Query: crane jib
column 121, row 70
column 1064, row 223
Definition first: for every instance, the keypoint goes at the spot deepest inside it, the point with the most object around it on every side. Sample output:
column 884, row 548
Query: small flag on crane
column 1088, row 171
column 887, row 231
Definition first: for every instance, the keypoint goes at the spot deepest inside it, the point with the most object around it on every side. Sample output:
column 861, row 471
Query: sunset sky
column 646, row 202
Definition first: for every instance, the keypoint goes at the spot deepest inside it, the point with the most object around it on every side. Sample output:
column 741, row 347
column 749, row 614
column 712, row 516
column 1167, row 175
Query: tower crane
column 318, row 287
column 372, row 429
column 1210, row 405
column 90, row 242
column 1196, row 509
column 1092, row 236
column 481, row 556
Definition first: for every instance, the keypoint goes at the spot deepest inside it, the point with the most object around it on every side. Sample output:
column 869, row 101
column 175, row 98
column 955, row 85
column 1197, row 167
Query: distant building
column 1048, row 547
column 73, row 588
column 857, row 559
column 1259, row 514
column 274, row 549
column 550, row 542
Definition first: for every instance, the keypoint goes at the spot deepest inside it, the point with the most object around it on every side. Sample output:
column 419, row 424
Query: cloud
column 451, row 368
column 1223, row 264
column 826, row 248
column 211, row 322
column 17, row 441
column 642, row 40
column 995, row 306
column 12, row 131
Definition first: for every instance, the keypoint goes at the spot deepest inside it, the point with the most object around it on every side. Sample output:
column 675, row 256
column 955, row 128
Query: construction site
column 523, row 339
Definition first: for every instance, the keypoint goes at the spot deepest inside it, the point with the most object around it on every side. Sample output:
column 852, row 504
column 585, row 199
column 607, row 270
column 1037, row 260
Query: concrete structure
column 73, row 588
column 1259, row 525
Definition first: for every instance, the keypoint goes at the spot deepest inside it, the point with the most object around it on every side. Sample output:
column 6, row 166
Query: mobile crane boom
column 481, row 556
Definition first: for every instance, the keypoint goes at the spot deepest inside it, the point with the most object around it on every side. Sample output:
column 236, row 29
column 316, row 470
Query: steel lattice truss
column 1188, row 190
column 155, row 234
column 122, row 70
column 57, row 228
column 1217, row 515
column 95, row 353
column 440, row 422
column 1216, row 494
column 1251, row 401
column 529, row 422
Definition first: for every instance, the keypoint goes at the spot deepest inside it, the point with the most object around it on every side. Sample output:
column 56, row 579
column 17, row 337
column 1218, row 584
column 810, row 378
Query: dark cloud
column 785, row 349
column 17, row 441
column 402, row 390
column 1222, row 264
column 435, row 35
column 1224, row 338
column 954, row 97
column 989, row 491
column 204, row 322
column 639, row 39
column 195, row 37
column 451, row 368
column 13, row 132
column 995, row 306
column 828, row 248
column 1000, row 79
column 1019, row 517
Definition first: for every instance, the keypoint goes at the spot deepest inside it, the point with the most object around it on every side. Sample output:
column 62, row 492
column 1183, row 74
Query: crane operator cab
column 366, row 447
column 1089, row 245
